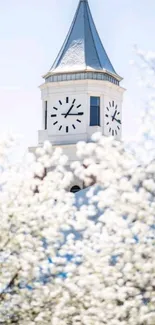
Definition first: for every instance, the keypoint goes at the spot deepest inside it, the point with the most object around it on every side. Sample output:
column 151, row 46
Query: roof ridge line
column 100, row 41
column 84, row 39
column 92, row 35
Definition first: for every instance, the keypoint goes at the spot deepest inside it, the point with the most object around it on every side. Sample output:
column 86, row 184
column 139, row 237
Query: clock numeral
column 116, row 132
column 55, row 123
column 54, row 115
column 79, row 106
column 107, row 109
column 67, row 100
column 60, row 127
column 107, row 123
column 112, row 132
column 109, row 104
column 79, row 121
column 113, row 103
column 106, row 115
column 55, row 108
column 60, row 102
column 73, row 126
column 116, row 107
column 118, row 127
column 118, row 113
column 66, row 129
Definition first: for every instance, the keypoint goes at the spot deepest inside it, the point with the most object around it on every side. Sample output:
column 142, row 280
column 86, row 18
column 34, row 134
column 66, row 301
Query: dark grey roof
column 82, row 49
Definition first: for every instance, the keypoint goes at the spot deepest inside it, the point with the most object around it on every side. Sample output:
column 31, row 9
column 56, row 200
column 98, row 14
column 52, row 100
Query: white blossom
column 79, row 260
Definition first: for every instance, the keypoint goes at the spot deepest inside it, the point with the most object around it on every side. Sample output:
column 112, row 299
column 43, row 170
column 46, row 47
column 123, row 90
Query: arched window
column 75, row 189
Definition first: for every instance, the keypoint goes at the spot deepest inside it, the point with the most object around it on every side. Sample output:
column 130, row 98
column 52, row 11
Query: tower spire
column 82, row 49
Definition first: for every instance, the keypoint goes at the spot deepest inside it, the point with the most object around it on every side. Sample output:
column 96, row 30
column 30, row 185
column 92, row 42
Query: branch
column 10, row 284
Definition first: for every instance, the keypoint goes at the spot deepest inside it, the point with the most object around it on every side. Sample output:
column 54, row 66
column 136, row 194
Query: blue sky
column 31, row 34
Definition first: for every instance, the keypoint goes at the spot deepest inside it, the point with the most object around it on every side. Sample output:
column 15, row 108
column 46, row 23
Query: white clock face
column 113, row 119
column 66, row 115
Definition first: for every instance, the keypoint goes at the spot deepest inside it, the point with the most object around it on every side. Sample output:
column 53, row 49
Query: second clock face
column 66, row 115
column 113, row 119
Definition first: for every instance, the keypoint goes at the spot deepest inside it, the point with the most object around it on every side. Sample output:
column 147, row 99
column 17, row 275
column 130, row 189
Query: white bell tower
column 81, row 93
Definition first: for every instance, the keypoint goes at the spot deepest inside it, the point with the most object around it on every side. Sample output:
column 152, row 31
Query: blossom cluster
column 87, row 263
column 83, row 259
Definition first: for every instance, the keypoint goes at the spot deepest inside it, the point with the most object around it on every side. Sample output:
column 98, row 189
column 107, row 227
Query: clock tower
column 81, row 93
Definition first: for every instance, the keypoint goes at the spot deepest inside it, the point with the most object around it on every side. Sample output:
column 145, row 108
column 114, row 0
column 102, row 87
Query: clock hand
column 68, row 111
column 119, row 121
column 113, row 117
column 80, row 113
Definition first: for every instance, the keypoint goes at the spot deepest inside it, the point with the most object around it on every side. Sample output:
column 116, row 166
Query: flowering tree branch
column 84, row 259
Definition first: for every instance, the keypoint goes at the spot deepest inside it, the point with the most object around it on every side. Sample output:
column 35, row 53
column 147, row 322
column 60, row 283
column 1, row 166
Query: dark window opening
column 75, row 189
column 94, row 111
column 46, row 115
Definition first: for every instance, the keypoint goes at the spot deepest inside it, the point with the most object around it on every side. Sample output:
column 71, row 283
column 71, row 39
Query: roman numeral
column 79, row 121
column 55, row 108
column 67, row 100
column 60, row 102
column 53, row 115
column 116, row 107
column 79, row 106
column 107, row 123
column 112, row 132
column 109, row 104
column 118, row 127
column 60, row 127
column 113, row 103
column 55, row 123
column 73, row 126
column 67, row 129
column 118, row 113
column 107, row 109
column 115, row 132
